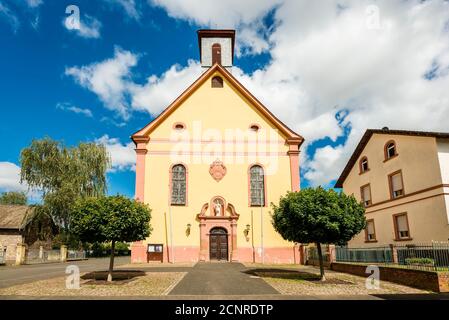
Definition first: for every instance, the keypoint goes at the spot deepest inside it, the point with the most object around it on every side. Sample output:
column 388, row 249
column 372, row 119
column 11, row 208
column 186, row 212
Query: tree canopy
column 13, row 198
column 64, row 174
column 318, row 216
column 111, row 219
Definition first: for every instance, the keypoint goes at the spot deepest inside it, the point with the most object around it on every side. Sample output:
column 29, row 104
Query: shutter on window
column 370, row 227
column 366, row 193
column 402, row 223
column 396, row 182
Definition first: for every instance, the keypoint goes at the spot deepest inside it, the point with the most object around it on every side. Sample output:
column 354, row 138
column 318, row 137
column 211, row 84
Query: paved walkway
column 214, row 279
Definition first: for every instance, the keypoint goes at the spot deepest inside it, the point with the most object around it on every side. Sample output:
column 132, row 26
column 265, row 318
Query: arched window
column 217, row 82
column 390, row 150
column 216, row 53
column 178, row 185
column 364, row 165
column 257, row 186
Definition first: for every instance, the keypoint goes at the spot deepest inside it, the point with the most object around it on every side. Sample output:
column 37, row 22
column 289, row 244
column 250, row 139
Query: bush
column 420, row 261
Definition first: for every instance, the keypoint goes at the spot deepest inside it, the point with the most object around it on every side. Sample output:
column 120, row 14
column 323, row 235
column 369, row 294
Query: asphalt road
column 12, row 275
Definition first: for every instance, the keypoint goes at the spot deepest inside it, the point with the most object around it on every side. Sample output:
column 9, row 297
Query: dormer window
column 390, row 150
column 364, row 165
column 217, row 82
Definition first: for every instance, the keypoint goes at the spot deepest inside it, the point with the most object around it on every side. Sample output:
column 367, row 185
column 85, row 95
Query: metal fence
column 431, row 257
column 76, row 255
column 364, row 255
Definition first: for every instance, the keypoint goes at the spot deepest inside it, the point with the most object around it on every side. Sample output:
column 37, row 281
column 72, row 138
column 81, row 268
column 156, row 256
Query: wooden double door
column 218, row 244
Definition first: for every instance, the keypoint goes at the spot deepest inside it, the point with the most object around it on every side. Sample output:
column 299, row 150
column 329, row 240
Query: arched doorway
column 218, row 244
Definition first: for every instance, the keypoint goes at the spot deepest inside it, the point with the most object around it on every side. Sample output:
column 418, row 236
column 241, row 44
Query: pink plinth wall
column 274, row 255
column 138, row 252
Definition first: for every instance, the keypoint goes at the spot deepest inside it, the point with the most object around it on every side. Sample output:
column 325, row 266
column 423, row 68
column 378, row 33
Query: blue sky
column 34, row 83
column 308, row 63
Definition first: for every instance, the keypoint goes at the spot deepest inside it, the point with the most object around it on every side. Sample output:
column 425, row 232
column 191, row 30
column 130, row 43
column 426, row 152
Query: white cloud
column 9, row 16
column 34, row 3
column 10, row 177
column 246, row 16
column 68, row 107
column 159, row 92
column 325, row 59
column 89, row 27
column 129, row 6
column 123, row 156
column 108, row 79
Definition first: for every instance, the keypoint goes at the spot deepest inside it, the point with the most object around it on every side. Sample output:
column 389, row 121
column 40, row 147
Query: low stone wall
column 426, row 280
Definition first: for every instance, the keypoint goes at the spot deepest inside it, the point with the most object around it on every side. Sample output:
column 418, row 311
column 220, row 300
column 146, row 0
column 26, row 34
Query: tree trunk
column 320, row 258
column 111, row 262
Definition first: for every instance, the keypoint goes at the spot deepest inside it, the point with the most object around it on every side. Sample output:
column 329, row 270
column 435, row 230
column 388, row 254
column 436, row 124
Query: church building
column 210, row 165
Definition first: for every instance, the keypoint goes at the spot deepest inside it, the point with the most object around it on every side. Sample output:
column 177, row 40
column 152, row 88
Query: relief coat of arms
column 217, row 170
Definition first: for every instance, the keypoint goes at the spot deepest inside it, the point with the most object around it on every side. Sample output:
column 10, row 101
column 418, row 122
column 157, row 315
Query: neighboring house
column 18, row 227
column 12, row 219
column 210, row 164
column 402, row 177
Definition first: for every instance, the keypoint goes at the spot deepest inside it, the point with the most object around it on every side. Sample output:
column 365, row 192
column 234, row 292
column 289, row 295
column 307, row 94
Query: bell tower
column 216, row 46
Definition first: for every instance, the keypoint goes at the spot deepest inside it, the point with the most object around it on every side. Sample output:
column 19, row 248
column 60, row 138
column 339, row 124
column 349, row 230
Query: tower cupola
column 216, row 46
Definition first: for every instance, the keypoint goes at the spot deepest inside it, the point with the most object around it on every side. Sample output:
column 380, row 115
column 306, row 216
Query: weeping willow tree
column 63, row 175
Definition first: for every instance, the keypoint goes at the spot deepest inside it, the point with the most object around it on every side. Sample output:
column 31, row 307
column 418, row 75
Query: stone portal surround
column 228, row 222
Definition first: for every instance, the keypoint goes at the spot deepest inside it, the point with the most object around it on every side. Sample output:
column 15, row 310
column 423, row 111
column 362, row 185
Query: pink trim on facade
column 275, row 255
column 264, row 185
column 187, row 182
column 141, row 152
column 138, row 252
column 248, row 141
column 217, row 154
column 293, row 153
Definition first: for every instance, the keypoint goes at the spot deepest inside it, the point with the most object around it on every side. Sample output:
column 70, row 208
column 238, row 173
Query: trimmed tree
column 318, row 216
column 111, row 219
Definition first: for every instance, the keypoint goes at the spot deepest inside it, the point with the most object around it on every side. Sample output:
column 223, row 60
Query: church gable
column 216, row 101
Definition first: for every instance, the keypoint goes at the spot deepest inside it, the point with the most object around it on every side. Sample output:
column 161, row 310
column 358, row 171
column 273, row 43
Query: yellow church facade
column 209, row 167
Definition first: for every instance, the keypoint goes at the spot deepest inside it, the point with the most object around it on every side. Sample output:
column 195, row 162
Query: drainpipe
column 261, row 224
column 171, row 226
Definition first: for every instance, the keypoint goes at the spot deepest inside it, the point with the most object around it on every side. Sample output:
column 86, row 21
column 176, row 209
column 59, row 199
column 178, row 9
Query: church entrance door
column 218, row 244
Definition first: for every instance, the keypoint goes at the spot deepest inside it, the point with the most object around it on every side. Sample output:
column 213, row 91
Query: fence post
column 332, row 253
column 20, row 254
column 63, row 253
column 302, row 252
column 394, row 253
